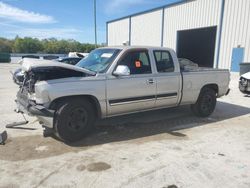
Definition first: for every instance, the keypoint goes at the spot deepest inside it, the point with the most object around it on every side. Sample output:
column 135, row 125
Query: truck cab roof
column 139, row 47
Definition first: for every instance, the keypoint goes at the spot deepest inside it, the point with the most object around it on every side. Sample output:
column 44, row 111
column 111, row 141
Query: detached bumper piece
column 44, row 115
column 39, row 110
column 3, row 137
column 31, row 108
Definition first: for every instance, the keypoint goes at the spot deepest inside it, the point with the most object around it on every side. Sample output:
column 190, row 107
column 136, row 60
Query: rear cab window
column 138, row 62
column 164, row 61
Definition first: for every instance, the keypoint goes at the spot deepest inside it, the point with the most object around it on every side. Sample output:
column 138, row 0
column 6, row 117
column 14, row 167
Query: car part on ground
column 3, row 137
column 16, row 124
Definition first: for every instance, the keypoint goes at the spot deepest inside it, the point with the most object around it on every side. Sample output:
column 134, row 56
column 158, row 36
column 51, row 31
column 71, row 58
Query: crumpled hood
column 246, row 75
column 28, row 64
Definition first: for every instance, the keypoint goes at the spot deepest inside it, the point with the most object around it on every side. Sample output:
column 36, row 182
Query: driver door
column 135, row 92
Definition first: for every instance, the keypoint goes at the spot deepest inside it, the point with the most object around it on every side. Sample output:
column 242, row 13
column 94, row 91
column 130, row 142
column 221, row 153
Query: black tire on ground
column 74, row 119
column 205, row 104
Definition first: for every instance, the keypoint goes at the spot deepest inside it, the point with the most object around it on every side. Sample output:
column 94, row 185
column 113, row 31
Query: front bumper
column 44, row 115
column 244, row 88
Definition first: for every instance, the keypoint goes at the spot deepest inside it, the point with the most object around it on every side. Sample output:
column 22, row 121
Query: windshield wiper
column 90, row 70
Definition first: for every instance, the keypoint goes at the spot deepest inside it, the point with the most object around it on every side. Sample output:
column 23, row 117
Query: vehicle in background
column 115, row 81
column 5, row 58
column 31, row 56
column 70, row 60
column 50, row 57
column 28, row 57
column 77, row 54
column 244, row 83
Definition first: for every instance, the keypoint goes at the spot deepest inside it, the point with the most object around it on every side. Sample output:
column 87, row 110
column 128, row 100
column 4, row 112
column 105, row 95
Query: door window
column 137, row 61
column 164, row 61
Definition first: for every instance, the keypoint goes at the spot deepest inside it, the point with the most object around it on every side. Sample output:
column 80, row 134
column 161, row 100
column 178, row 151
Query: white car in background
column 244, row 83
column 77, row 54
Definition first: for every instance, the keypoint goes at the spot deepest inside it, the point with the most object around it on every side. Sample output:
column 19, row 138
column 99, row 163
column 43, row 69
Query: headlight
column 243, row 82
column 32, row 96
column 41, row 94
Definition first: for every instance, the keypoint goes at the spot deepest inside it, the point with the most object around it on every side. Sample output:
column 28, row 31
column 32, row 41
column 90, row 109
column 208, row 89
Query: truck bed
column 195, row 78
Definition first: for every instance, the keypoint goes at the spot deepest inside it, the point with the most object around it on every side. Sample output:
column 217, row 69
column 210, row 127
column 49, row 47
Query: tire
column 205, row 104
column 74, row 119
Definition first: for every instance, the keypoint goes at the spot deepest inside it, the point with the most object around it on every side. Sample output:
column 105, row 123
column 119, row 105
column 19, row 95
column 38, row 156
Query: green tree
column 51, row 46
column 27, row 45
column 5, row 45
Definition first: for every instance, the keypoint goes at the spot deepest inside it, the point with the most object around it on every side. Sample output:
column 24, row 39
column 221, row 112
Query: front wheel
column 205, row 104
column 74, row 119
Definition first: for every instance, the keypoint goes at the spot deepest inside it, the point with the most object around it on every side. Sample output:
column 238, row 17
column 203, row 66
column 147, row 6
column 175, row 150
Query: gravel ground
column 162, row 148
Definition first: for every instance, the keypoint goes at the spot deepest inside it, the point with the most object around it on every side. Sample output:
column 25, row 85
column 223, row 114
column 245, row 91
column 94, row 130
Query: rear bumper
column 43, row 114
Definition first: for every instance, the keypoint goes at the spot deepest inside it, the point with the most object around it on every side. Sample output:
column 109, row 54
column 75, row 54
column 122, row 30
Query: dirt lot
column 152, row 149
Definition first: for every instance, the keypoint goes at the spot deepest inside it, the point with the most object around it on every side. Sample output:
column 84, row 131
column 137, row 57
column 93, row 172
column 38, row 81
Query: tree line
column 50, row 46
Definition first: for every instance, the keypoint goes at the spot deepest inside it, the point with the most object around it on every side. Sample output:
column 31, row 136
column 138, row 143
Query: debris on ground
column 3, row 137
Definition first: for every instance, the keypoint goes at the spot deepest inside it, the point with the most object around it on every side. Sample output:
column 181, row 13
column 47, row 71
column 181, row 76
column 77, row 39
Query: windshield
column 99, row 60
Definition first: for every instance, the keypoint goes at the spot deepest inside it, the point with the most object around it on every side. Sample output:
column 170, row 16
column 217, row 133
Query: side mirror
column 121, row 70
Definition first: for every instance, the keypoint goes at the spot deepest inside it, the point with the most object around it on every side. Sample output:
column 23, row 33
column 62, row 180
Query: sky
column 66, row 19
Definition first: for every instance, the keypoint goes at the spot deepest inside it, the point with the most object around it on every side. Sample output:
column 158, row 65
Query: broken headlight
column 243, row 82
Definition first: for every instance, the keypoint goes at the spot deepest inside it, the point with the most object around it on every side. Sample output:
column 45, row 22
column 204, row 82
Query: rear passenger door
column 168, row 79
column 134, row 92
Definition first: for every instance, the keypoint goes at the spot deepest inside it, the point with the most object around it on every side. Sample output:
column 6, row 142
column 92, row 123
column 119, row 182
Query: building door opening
column 237, row 58
column 197, row 45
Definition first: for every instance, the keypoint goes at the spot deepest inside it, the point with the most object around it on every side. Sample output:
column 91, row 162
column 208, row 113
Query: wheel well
column 94, row 101
column 212, row 86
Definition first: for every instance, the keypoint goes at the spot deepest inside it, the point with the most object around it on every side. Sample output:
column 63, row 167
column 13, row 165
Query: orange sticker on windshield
column 137, row 64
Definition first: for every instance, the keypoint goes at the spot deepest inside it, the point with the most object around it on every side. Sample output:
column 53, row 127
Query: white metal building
column 214, row 33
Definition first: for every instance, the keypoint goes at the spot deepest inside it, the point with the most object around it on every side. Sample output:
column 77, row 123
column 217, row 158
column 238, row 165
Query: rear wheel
column 74, row 119
column 205, row 104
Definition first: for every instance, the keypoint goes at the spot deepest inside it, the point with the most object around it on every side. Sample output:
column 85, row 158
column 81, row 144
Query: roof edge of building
column 151, row 10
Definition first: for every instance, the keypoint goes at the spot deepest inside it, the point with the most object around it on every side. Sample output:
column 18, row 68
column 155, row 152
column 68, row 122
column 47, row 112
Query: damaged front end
column 30, row 101
column 244, row 83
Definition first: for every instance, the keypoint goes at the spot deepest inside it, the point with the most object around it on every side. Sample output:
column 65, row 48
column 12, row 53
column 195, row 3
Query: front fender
column 48, row 91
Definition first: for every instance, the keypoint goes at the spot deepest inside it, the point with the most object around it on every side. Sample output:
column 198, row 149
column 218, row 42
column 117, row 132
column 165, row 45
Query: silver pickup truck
column 114, row 81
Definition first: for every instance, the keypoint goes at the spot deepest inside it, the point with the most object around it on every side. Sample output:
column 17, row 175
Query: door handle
column 150, row 81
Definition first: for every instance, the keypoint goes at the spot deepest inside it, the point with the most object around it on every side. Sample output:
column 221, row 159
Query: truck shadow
column 133, row 129
column 134, row 126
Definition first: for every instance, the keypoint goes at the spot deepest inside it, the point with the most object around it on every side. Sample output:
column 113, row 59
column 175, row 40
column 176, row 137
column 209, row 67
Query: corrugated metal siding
column 118, row 32
column 195, row 14
column 146, row 29
column 235, row 31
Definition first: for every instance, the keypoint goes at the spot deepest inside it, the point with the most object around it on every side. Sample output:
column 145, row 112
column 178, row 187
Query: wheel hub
column 207, row 103
column 77, row 119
